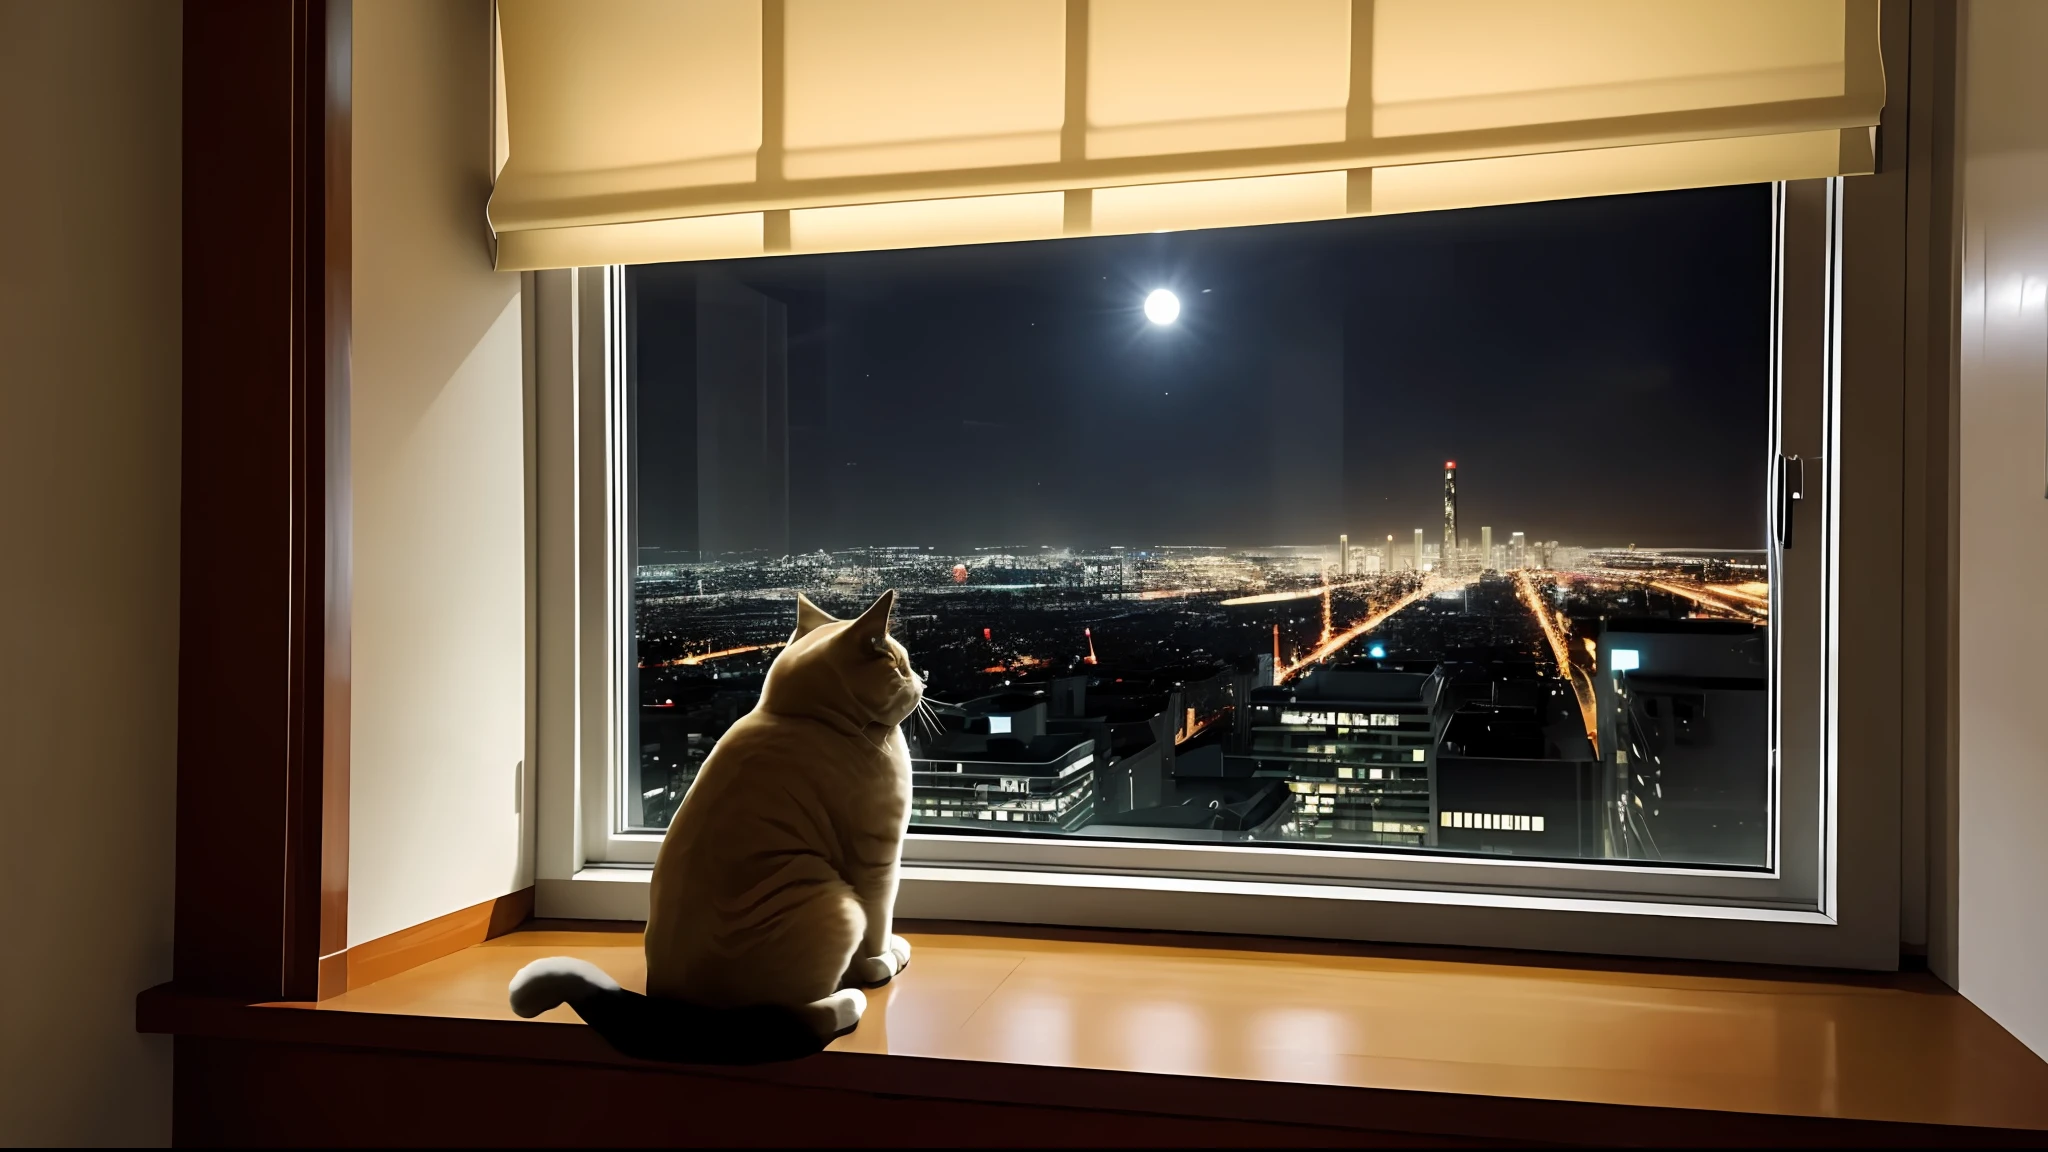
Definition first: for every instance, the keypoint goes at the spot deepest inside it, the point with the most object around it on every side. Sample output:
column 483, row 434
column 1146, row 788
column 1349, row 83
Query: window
column 1116, row 482
column 1166, row 576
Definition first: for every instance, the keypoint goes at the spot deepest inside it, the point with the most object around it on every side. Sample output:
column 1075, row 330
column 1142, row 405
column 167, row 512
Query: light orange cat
column 775, row 887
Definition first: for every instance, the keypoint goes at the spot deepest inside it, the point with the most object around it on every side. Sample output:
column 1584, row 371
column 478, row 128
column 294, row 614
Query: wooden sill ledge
column 1313, row 1043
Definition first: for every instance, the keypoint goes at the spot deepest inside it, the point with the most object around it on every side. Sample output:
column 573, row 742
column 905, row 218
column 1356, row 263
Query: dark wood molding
column 298, row 1075
column 336, row 121
column 263, row 601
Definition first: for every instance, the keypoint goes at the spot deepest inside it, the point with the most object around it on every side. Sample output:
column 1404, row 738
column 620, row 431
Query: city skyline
column 1232, row 574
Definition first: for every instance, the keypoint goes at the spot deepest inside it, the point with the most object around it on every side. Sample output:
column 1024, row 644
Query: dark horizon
column 1598, row 369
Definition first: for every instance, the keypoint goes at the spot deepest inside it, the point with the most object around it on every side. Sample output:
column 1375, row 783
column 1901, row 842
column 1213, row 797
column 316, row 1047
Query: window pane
column 1438, row 533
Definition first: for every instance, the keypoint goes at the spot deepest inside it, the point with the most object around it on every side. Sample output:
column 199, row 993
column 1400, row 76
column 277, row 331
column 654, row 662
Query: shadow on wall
column 89, row 421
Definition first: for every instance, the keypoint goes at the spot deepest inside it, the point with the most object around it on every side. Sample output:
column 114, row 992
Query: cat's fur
column 775, row 887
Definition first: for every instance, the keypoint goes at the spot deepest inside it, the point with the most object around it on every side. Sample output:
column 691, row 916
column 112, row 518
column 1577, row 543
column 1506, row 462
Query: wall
column 2002, row 904
column 439, row 699
column 89, row 410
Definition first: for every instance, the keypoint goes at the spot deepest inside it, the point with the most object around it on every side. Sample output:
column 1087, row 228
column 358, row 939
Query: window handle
column 1791, row 490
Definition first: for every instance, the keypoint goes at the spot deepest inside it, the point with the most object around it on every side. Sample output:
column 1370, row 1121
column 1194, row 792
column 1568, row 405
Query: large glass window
column 1442, row 533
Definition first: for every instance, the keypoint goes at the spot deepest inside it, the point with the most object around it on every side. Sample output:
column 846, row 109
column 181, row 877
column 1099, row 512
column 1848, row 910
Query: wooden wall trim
column 262, row 669
column 374, row 960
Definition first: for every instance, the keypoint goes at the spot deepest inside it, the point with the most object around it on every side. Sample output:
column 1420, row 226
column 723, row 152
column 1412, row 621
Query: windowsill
column 916, row 877
column 1545, row 921
column 1383, row 1039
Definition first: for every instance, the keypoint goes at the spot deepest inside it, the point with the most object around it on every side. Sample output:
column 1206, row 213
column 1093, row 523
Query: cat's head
column 844, row 670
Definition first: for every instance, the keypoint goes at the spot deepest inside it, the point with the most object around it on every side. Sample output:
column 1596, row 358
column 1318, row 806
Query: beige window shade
column 645, row 130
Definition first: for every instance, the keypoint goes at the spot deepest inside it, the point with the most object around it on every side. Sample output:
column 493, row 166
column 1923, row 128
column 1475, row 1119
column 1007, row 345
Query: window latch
column 1791, row 490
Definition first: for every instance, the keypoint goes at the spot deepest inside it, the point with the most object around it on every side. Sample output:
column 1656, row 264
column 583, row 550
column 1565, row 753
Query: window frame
column 1830, row 897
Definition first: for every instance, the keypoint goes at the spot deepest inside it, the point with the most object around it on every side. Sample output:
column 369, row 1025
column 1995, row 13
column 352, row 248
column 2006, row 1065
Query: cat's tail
column 654, row 1028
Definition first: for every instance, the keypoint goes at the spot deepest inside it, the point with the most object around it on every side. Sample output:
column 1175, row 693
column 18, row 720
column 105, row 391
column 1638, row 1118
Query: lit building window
column 1490, row 821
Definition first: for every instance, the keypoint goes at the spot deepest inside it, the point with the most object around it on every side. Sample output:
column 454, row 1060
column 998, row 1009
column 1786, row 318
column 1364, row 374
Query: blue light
column 1627, row 660
column 1377, row 652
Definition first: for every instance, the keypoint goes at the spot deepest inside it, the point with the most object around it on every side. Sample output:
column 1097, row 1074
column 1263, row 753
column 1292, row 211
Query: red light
column 984, row 634
column 1450, row 463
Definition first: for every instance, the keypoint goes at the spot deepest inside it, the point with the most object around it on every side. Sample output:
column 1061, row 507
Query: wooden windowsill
column 1449, row 1043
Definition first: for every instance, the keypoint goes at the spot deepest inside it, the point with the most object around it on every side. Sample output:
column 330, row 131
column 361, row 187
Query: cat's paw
column 835, row 1015
column 871, row 971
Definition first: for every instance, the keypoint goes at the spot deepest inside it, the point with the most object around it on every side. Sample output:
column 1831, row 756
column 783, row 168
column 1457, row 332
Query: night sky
column 1598, row 368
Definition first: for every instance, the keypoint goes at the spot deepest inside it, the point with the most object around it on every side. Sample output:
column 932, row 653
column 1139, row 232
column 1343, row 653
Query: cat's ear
column 808, row 617
column 874, row 623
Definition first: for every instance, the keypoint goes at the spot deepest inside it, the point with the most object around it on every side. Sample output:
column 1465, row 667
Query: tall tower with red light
column 1450, row 513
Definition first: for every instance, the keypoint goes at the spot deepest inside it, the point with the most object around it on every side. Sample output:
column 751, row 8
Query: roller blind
column 648, row 130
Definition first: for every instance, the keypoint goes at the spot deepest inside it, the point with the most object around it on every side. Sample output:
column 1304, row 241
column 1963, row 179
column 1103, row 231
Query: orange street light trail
column 1338, row 641
column 1582, row 686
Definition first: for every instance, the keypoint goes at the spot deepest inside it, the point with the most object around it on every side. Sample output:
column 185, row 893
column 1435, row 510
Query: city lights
column 1233, row 693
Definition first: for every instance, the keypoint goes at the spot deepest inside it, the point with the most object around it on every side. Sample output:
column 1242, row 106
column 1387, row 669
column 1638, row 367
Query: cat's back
column 754, row 834
column 762, row 789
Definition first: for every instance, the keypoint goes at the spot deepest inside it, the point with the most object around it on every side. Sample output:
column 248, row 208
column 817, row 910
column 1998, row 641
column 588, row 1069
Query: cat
column 775, row 888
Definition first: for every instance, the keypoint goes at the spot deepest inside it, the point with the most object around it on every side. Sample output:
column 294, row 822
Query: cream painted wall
column 89, row 397
column 2002, row 901
column 439, row 725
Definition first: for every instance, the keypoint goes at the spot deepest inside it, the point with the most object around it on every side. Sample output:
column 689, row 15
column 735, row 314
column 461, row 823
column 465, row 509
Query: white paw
column 869, row 971
column 836, row 1013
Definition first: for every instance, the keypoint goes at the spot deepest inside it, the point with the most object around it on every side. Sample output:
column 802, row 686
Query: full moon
column 1162, row 307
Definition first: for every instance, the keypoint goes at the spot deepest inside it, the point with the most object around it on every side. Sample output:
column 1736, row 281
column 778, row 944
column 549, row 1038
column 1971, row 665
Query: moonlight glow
column 1162, row 307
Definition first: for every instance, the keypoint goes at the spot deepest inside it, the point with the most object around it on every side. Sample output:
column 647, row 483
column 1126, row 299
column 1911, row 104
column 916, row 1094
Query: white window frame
column 1829, row 898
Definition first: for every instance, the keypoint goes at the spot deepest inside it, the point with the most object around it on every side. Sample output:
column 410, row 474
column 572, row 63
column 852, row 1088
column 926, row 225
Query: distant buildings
column 1157, row 692
column 1100, row 754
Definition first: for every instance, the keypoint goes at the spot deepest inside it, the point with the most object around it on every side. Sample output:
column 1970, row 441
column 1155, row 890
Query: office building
column 1356, row 746
column 1003, row 766
column 1512, row 779
column 1683, row 713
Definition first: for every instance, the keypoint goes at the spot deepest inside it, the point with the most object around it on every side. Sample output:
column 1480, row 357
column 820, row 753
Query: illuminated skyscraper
column 1418, row 549
column 1485, row 547
column 1343, row 554
column 1450, row 513
column 1518, row 550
